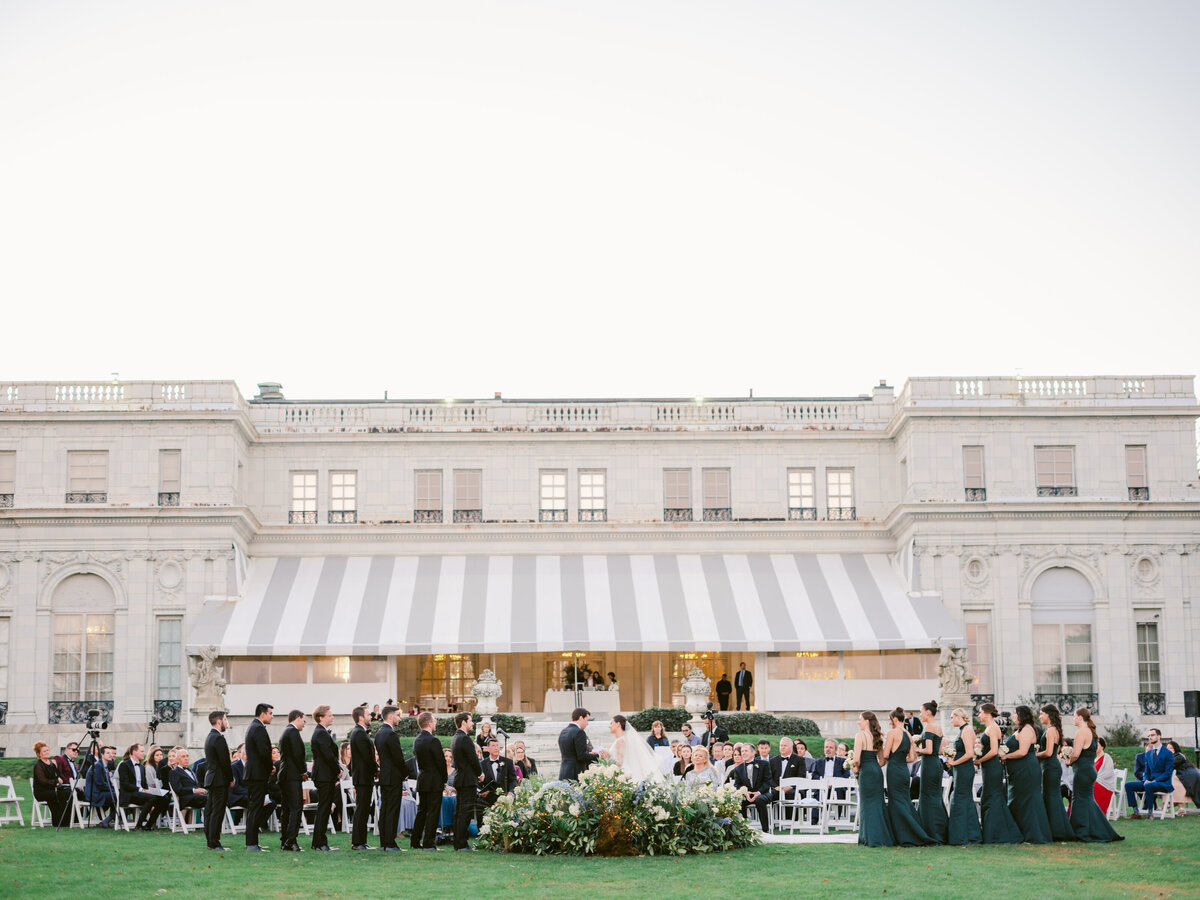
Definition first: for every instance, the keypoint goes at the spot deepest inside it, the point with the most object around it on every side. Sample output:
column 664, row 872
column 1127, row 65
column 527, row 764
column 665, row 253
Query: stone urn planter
column 487, row 690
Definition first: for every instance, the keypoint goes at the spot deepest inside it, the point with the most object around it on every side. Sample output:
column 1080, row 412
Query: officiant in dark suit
column 573, row 745
column 431, row 780
column 467, row 775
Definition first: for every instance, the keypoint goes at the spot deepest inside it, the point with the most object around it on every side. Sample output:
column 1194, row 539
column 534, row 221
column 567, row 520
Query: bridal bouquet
column 978, row 749
column 1003, row 750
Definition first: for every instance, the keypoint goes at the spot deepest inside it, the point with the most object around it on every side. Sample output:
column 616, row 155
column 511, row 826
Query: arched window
column 1062, row 638
column 82, row 647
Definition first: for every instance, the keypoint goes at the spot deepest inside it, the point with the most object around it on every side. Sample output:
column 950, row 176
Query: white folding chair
column 10, row 803
column 346, row 791
column 81, row 812
column 230, row 826
column 1116, row 803
column 947, row 789
column 977, row 790
column 841, row 812
column 178, row 815
column 806, row 798
column 40, row 815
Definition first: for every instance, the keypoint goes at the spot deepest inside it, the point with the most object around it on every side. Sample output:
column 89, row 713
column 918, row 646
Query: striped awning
column 369, row 605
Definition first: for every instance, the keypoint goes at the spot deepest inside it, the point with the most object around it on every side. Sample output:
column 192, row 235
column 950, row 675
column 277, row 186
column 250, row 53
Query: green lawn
column 1160, row 859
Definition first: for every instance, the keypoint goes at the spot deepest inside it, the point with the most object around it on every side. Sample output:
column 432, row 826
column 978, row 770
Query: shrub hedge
column 444, row 725
column 735, row 723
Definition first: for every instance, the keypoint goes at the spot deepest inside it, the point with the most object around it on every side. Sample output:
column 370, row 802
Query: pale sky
column 597, row 199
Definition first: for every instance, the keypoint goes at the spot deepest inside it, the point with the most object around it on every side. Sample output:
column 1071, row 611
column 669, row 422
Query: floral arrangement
column 607, row 814
column 978, row 749
column 1004, row 748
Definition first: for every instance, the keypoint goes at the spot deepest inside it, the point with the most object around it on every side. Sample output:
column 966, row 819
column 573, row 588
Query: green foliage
column 510, row 722
column 764, row 723
column 672, row 718
column 1122, row 733
column 606, row 813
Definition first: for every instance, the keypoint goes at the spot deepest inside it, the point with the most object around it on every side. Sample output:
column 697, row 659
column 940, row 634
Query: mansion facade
column 348, row 551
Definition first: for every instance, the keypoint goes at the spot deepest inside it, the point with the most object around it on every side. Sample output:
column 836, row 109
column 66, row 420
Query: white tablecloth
column 598, row 703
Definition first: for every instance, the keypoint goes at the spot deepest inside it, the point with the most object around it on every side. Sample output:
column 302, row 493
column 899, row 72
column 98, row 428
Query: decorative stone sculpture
column 487, row 690
column 208, row 679
column 954, row 681
column 696, row 688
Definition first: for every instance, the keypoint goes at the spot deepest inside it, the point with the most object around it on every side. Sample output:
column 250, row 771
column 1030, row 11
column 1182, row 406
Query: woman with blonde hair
column 964, row 823
column 1088, row 823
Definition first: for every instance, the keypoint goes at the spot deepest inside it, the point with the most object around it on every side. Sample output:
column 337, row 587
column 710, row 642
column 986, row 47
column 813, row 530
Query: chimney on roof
column 269, row 390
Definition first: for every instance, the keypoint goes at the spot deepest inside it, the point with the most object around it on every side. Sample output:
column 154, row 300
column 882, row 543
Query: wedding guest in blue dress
column 1088, row 823
column 963, row 827
column 997, row 822
column 1049, row 747
column 1025, row 781
column 873, row 827
column 931, row 809
column 906, row 829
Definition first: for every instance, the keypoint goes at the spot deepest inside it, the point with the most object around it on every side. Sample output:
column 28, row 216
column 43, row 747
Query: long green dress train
column 1025, row 796
column 1088, row 823
column 931, row 809
column 964, row 823
column 998, row 824
column 1056, row 813
column 906, row 830
column 873, row 827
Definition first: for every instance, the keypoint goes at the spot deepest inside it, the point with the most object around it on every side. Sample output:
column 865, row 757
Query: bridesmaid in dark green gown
column 998, row 825
column 964, row 823
column 931, row 809
column 1087, row 821
column 873, row 827
column 906, row 829
column 1048, row 750
column 1025, row 781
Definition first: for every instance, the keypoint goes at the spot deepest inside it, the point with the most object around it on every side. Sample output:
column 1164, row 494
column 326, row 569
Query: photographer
column 712, row 731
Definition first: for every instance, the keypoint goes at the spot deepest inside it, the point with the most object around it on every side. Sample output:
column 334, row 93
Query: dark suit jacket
column 238, row 794
column 787, row 767
column 291, row 755
column 200, row 766
column 1139, row 766
column 743, row 679
column 724, row 686
column 572, row 744
column 362, row 756
column 64, row 769
column 502, row 772
column 829, row 768
column 98, row 789
column 127, row 781
column 258, row 752
column 758, row 780
column 392, row 769
column 914, row 725
column 717, row 734
column 183, row 783
column 431, row 763
column 466, row 764
column 325, row 756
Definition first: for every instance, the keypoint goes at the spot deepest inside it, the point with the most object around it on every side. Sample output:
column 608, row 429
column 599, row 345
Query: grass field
column 1159, row 859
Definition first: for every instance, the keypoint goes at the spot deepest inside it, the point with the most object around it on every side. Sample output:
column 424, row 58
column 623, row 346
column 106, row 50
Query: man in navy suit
column 1156, row 776
column 742, row 682
column 830, row 765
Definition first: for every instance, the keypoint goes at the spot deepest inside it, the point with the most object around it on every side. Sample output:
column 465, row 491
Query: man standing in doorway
column 724, row 689
column 742, row 683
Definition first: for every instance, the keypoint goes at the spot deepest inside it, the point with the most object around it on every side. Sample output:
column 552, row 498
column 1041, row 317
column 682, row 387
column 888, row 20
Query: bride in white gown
column 632, row 753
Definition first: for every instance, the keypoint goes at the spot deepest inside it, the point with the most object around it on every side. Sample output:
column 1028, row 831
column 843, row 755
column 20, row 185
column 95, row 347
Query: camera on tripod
column 95, row 723
column 709, row 715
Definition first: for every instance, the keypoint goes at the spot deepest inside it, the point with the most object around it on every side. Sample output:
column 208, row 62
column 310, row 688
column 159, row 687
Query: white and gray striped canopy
column 368, row 605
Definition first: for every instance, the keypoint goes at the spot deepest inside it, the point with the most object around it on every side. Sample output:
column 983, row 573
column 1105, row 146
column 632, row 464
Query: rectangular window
column 343, row 498
column 428, row 507
column 8, row 477
column 839, row 493
column 553, row 506
column 304, row 499
column 717, row 505
column 1062, row 660
column 979, row 651
column 1055, row 471
column 1149, row 674
column 83, row 658
column 170, row 658
column 802, row 494
column 87, row 476
column 266, row 669
column 1135, row 472
column 593, row 498
column 677, row 495
column 806, row 665
column 468, row 495
column 973, row 473
column 349, row 669
column 169, row 476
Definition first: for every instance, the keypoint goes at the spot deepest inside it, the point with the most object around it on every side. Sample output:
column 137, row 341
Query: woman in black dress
column 48, row 784
column 1088, row 823
column 1025, row 781
column 906, row 828
column 997, row 822
column 874, row 830
column 964, row 821
column 931, row 809
column 1188, row 775
column 1049, row 746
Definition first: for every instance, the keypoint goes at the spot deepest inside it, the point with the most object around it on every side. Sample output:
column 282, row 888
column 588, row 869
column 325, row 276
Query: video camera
column 709, row 715
column 95, row 723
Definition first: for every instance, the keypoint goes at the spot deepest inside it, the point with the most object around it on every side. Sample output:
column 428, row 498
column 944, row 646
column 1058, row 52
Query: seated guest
column 48, row 784
column 657, row 736
column 99, row 789
column 729, row 751
column 95, row 751
column 132, row 788
column 830, row 765
column 754, row 774
column 1106, row 776
column 1186, row 774
column 165, row 766
column 1154, row 778
column 154, row 758
column 448, row 790
column 344, row 761
column 716, row 758
column 690, row 737
column 701, row 771
column 69, row 767
column 801, row 750
column 485, row 734
column 684, row 762
column 522, row 760
column 842, row 751
column 788, row 764
column 183, row 782
column 198, row 768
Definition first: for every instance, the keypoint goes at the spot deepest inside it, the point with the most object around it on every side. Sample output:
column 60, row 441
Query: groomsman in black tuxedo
column 292, row 771
column 362, row 772
column 258, row 770
column 325, row 775
column 742, row 682
column 467, row 775
column 431, row 780
column 218, row 774
column 392, row 772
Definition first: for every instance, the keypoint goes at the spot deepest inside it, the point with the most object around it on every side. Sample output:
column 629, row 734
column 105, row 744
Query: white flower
column 573, row 809
column 487, row 827
column 660, row 814
column 558, row 812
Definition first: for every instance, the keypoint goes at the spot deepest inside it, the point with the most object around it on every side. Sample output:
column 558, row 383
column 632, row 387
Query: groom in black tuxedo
column 574, row 747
